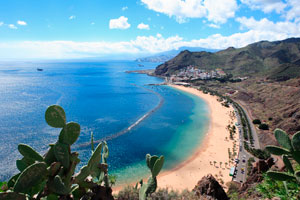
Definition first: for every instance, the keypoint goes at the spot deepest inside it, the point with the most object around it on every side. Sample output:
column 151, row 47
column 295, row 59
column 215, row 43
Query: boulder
column 210, row 187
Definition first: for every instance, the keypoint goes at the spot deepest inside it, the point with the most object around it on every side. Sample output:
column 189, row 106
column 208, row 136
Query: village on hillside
column 192, row 72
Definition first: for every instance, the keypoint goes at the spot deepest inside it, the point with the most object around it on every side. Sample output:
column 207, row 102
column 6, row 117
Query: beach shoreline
column 213, row 147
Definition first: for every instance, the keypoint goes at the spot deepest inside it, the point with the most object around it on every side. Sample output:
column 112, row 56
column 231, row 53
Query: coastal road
column 252, row 127
column 243, row 155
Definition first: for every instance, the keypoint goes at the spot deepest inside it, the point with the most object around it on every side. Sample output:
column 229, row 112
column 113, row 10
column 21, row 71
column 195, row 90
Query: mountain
column 167, row 55
column 279, row 60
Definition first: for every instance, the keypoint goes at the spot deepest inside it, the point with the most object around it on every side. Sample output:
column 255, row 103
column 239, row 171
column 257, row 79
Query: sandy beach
column 214, row 148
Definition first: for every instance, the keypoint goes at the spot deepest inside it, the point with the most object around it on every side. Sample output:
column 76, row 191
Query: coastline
column 214, row 147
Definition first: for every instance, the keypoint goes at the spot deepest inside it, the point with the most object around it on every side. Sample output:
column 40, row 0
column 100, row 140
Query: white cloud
column 124, row 8
column 72, row 17
column 217, row 11
column 1, row 23
column 214, row 26
column 266, row 6
column 282, row 29
column 92, row 23
column 254, row 31
column 12, row 26
column 21, row 23
column 294, row 12
column 143, row 26
column 220, row 10
column 120, row 23
column 177, row 8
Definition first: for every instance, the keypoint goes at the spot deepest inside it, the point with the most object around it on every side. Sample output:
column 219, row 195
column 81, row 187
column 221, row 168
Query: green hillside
column 271, row 59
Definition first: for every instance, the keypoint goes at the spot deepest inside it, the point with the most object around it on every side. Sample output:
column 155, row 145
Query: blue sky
column 98, row 28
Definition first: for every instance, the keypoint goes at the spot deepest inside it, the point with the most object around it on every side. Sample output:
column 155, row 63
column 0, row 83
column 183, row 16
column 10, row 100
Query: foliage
column 258, row 153
column 132, row 193
column 263, row 126
column 53, row 175
column 270, row 188
column 155, row 164
column 288, row 149
column 3, row 186
column 256, row 121
column 250, row 162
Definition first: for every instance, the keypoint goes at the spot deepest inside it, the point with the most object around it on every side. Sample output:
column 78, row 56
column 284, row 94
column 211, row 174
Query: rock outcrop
column 209, row 188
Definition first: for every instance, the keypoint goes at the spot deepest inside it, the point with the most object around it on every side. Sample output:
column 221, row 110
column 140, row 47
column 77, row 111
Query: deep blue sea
column 104, row 100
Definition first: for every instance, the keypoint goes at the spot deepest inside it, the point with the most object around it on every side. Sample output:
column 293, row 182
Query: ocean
column 136, row 118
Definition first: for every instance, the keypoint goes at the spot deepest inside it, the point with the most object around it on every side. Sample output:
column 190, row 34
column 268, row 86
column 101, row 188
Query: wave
column 126, row 130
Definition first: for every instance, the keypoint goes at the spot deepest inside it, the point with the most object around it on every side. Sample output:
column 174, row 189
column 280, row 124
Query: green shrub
column 270, row 188
column 263, row 126
column 132, row 193
column 256, row 121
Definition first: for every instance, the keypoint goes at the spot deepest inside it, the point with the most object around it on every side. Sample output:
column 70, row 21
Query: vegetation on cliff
column 278, row 60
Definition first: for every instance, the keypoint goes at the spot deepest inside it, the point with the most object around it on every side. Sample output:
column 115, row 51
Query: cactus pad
column 152, row 161
column 158, row 166
column 283, row 139
column 29, row 153
column 55, row 116
column 61, row 152
column 50, row 156
column 54, row 168
column 96, row 156
column 12, row 195
column 83, row 173
column 31, row 176
column 277, row 150
column 296, row 141
column 280, row 176
column 58, row 187
column 70, row 133
column 105, row 152
column 151, row 185
column 13, row 180
column 287, row 164
column 21, row 165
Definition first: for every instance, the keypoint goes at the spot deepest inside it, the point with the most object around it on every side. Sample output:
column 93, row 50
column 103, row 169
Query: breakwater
column 126, row 130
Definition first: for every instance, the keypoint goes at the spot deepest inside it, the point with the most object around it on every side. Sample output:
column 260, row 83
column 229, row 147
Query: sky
column 66, row 29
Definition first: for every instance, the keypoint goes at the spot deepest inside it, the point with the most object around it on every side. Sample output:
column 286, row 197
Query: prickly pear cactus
column 52, row 176
column 31, row 176
column 288, row 149
column 55, row 116
column 29, row 153
column 155, row 165
column 70, row 133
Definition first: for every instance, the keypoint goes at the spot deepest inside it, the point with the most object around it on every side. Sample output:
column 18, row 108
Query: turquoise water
column 104, row 99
